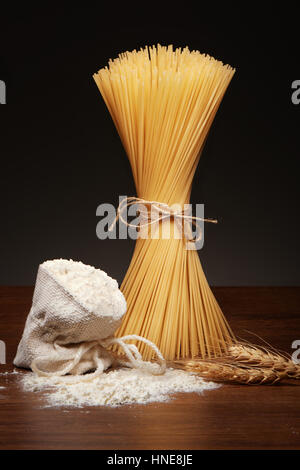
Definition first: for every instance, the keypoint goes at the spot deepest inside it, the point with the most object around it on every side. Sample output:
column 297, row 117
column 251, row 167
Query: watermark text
column 153, row 220
column 296, row 354
column 296, row 94
column 2, row 352
column 2, row 92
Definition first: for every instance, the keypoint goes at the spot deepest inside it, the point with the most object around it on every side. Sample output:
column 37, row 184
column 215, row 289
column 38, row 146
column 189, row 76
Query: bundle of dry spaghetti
column 163, row 102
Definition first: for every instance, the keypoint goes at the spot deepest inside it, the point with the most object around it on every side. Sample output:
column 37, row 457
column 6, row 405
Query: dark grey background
column 61, row 156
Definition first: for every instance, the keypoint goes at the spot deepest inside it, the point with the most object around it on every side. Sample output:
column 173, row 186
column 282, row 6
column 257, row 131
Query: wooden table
column 233, row 417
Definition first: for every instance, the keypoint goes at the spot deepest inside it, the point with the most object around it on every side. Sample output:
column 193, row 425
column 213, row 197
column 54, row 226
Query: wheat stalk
column 264, row 358
column 229, row 373
column 244, row 363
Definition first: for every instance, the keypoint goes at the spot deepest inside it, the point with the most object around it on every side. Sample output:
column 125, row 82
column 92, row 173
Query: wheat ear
column 229, row 373
column 244, row 363
column 263, row 358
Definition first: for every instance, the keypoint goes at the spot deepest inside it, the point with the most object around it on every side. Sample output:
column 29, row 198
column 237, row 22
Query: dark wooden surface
column 247, row 417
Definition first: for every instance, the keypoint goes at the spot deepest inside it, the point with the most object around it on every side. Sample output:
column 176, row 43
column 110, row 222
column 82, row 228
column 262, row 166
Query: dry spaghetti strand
column 163, row 102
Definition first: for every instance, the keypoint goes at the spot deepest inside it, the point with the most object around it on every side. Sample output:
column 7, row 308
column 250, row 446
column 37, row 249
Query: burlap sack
column 61, row 336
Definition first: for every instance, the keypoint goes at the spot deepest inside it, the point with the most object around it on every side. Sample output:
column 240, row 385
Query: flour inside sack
column 92, row 287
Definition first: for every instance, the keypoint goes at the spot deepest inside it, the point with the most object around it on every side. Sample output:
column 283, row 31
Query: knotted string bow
column 160, row 211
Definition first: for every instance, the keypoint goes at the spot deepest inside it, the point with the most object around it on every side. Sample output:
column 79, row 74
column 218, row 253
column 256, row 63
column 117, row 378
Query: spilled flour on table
column 6, row 382
column 117, row 387
column 5, row 378
column 14, row 372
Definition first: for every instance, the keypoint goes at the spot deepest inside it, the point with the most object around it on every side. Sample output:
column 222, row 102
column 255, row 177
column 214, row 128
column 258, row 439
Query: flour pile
column 115, row 388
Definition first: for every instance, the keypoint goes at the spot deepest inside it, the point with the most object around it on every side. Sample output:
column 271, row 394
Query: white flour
column 14, row 372
column 93, row 288
column 117, row 387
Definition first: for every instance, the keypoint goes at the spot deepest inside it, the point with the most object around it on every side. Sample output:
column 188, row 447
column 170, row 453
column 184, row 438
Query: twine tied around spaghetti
column 160, row 211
